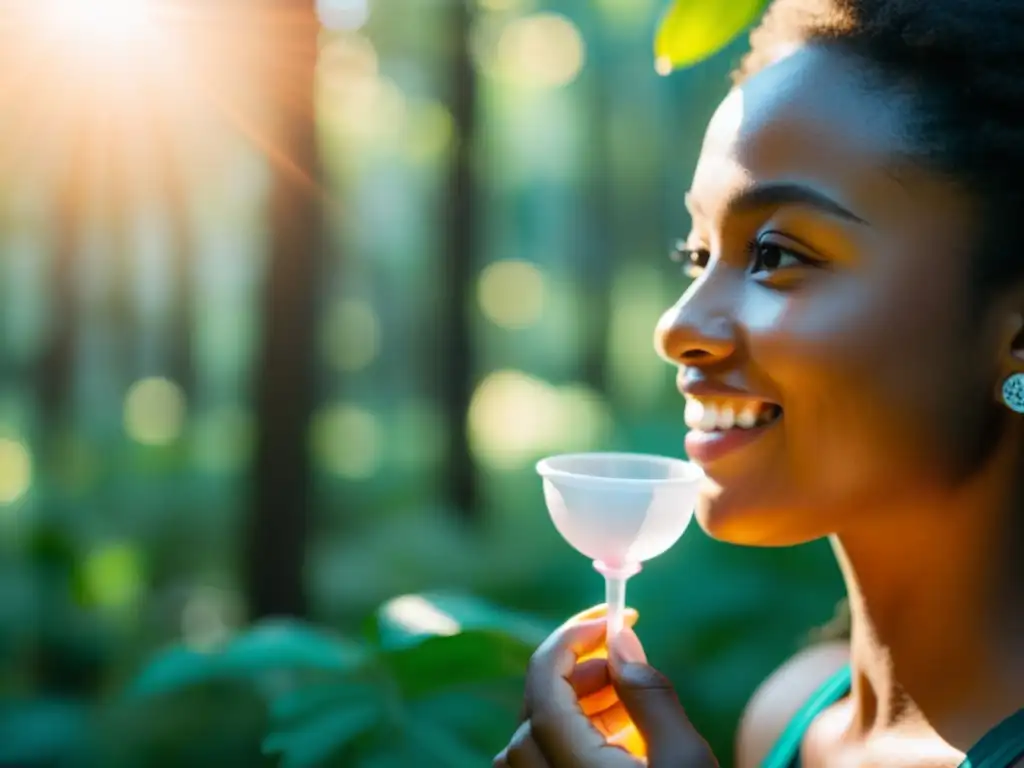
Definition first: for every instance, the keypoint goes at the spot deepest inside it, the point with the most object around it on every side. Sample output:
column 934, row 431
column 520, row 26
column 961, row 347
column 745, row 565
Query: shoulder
column 777, row 700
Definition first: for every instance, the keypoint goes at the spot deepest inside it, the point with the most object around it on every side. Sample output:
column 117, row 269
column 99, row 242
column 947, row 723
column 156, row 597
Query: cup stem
column 615, row 595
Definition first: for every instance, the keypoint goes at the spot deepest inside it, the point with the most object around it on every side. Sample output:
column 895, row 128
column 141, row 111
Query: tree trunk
column 285, row 384
column 456, row 362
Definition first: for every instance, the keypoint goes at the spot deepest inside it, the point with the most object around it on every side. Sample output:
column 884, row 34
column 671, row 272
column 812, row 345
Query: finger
column 584, row 653
column 598, row 611
column 612, row 720
column 654, row 707
column 630, row 740
column 630, row 618
column 589, row 677
column 561, row 731
column 523, row 751
column 599, row 702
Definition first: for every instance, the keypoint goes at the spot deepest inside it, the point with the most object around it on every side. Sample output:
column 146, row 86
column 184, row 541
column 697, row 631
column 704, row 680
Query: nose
column 692, row 334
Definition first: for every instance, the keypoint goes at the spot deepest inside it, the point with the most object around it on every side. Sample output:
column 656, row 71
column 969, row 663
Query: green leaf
column 405, row 621
column 39, row 731
column 279, row 645
column 318, row 739
column 310, row 699
column 172, row 670
column 471, row 657
column 291, row 645
column 695, row 30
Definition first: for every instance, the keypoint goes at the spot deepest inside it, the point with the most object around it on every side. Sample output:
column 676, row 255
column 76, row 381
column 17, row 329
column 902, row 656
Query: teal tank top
column 999, row 748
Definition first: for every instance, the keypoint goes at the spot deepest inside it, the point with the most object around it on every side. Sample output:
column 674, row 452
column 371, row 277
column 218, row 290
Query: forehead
column 814, row 116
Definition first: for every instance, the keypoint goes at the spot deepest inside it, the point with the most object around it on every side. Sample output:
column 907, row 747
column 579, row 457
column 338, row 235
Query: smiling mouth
column 725, row 414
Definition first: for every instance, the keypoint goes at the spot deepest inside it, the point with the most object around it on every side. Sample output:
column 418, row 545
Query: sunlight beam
column 101, row 25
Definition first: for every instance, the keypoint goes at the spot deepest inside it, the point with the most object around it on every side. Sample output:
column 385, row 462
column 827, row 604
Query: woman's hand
column 591, row 707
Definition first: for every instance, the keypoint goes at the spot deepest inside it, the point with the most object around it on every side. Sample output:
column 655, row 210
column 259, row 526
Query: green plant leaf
column 318, row 739
column 311, row 699
column 40, row 730
column 172, row 670
column 290, row 645
column 695, row 30
column 470, row 657
column 406, row 621
column 279, row 645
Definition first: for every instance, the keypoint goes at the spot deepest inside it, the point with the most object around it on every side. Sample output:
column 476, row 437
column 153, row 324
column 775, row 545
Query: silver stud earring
column 1013, row 392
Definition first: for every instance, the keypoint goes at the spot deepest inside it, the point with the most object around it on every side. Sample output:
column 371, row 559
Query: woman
column 852, row 359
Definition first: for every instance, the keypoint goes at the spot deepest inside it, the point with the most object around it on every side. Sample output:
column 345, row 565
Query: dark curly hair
column 959, row 65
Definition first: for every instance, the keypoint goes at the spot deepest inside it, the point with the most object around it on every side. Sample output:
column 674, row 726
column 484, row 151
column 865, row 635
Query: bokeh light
column 347, row 441
column 511, row 293
column 515, row 417
column 112, row 575
column 154, row 411
column 15, row 470
column 351, row 337
column 208, row 618
column 343, row 14
column 542, row 50
column 353, row 96
column 417, row 615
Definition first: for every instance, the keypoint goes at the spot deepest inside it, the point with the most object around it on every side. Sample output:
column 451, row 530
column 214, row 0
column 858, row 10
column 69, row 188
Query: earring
column 1013, row 392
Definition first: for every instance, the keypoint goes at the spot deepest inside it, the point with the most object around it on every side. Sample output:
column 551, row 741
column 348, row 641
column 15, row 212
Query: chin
column 733, row 521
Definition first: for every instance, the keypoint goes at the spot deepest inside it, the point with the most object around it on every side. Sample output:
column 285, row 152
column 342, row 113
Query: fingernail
column 626, row 648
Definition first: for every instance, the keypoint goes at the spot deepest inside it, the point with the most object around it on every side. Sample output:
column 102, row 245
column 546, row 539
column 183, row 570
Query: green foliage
column 433, row 680
column 695, row 30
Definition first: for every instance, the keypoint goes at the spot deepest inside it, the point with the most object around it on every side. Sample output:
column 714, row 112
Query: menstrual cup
column 620, row 510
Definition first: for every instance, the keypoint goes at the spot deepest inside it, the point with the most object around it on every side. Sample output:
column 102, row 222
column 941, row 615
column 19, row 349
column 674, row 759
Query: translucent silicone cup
column 620, row 510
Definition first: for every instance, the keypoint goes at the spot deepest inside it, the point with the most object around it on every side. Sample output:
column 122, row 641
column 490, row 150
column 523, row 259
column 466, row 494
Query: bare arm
column 777, row 700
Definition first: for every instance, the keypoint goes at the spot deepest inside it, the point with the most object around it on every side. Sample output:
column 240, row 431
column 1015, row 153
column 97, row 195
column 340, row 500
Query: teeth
column 707, row 417
column 747, row 418
column 709, row 420
column 726, row 417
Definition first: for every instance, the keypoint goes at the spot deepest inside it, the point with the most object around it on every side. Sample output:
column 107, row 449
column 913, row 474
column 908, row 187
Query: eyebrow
column 780, row 194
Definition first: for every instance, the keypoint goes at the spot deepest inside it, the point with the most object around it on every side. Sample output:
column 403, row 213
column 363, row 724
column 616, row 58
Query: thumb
column 653, row 706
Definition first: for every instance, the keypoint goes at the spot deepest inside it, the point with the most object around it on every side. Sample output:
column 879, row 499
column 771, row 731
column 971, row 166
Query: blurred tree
column 173, row 186
column 55, row 371
column 455, row 362
column 286, row 41
column 598, row 246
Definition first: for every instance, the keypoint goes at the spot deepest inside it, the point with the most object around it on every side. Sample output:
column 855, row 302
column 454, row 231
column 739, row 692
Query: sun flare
column 101, row 24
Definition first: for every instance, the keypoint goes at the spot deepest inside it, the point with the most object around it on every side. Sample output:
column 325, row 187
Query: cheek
column 866, row 377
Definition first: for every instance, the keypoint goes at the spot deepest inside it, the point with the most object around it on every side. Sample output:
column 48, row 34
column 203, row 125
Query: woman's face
column 829, row 309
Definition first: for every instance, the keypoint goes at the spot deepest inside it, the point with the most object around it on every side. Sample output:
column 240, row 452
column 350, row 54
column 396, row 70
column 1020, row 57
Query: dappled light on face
column 15, row 470
column 511, row 293
column 514, row 418
column 112, row 576
column 417, row 615
column 154, row 411
column 347, row 441
column 543, row 50
column 343, row 14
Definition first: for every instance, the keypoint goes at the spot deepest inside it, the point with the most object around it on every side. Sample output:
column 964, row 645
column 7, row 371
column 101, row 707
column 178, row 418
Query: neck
column 933, row 617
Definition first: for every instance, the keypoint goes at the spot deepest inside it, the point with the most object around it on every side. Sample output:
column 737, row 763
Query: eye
column 694, row 260
column 770, row 255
